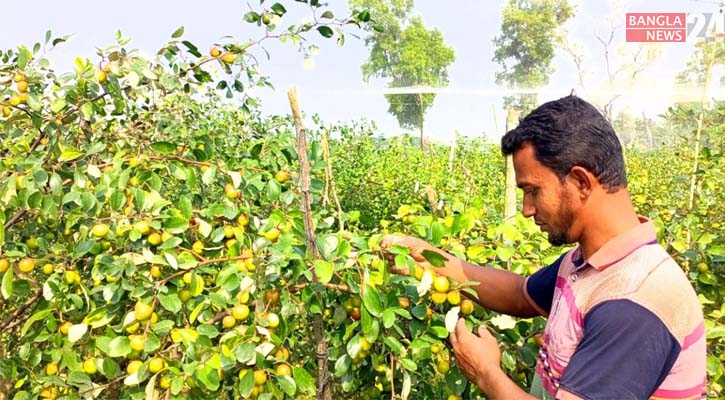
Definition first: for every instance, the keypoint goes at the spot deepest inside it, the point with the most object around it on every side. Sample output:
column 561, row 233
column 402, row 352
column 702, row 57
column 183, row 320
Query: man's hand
column 478, row 357
column 416, row 247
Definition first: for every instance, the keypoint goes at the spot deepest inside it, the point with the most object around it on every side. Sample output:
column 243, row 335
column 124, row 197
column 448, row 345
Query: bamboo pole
column 324, row 391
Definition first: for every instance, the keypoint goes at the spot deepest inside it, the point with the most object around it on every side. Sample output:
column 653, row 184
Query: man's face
column 546, row 198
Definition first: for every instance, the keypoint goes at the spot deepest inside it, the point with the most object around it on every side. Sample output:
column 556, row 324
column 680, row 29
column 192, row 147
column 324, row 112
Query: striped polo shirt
column 624, row 324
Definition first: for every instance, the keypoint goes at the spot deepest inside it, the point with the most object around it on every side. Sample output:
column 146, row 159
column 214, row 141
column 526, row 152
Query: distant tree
column 407, row 54
column 530, row 34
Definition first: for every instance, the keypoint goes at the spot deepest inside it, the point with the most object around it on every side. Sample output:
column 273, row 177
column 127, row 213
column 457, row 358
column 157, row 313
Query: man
column 623, row 320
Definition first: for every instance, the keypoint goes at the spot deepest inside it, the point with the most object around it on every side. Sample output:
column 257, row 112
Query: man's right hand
column 416, row 247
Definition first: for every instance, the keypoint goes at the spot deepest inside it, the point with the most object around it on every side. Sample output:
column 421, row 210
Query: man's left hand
column 478, row 357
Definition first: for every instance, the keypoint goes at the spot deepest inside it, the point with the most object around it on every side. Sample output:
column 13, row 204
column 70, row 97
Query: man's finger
column 389, row 240
column 483, row 332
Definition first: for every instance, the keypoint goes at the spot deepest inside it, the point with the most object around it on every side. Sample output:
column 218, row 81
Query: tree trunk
column 422, row 121
column 510, row 191
column 324, row 390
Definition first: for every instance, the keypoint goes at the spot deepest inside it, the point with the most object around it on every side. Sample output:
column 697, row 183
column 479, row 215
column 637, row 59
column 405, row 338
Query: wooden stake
column 324, row 391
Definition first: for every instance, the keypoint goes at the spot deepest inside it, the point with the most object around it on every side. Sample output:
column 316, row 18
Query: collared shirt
column 623, row 324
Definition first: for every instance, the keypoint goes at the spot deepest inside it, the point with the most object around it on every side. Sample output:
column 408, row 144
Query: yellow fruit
column 19, row 77
column 155, row 271
column 23, row 97
column 47, row 269
column 4, row 265
column 443, row 366
column 702, row 267
column 154, row 239
column 441, row 284
column 187, row 278
column 99, row 230
column 228, row 232
column 134, row 162
column 215, row 52
column 230, row 191
column 260, row 377
column 101, row 76
column 467, row 307
column 142, row 310
column 26, row 264
column 72, row 276
column 282, row 354
column 184, row 295
column 271, row 234
column 243, row 297
column 133, row 327
column 142, row 227
column 156, row 364
column 454, row 297
column 435, row 348
column 154, row 318
column 243, row 220
column 229, row 57
column 281, row 176
column 65, row 327
column 273, row 320
column 165, row 382
column 240, row 312
column 133, row 366
column 51, row 368
column 228, row 321
column 23, row 86
column 89, row 366
column 137, row 342
column 284, row 370
column 365, row 345
column 15, row 100
column 438, row 297
column 166, row 236
column 7, row 111
column 198, row 247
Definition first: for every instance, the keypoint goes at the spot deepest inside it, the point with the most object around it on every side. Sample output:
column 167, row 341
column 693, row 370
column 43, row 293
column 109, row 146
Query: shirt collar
column 618, row 247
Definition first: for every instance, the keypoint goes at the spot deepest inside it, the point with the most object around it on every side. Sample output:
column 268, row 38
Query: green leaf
column 279, row 10
column 176, row 225
column 439, row 331
column 716, row 332
column 40, row 315
column 327, row 14
column 246, row 384
column 76, row 332
column 388, row 318
column 304, row 380
column 325, row 31
column 177, row 33
column 119, row 347
column 324, row 270
column 434, row 258
column 363, row 16
column 394, row 344
column 371, row 300
column 164, row 147
column 287, row 384
column 69, row 155
column 7, row 284
column 170, row 302
column 251, row 17
column 408, row 364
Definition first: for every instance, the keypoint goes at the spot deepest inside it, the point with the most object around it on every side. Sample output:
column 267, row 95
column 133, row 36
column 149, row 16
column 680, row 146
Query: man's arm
column 498, row 290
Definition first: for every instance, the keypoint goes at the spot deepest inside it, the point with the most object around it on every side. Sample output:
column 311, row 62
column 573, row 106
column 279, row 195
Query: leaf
column 452, row 318
column 287, row 384
column 503, row 322
column 716, row 332
column 170, row 302
column 439, row 331
column 325, row 31
column 69, row 155
column 119, row 346
column 40, row 315
column 371, row 300
column 388, row 318
column 426, row 282
column 394, row 344
column 304, row 380
column 251, row 17
column 7, row 284
column 324, row 270
column 177, row 33
column 434, row 258
column 279, row 10
column 407, row 384
column 163, row 147
column 76, row 332
column 408, row 364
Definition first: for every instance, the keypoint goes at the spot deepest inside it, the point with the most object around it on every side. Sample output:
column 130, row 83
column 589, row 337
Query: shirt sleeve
column 540, row 286
column 626, row 353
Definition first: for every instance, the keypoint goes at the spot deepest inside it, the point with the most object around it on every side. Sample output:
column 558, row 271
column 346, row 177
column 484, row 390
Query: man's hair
column 571, row 132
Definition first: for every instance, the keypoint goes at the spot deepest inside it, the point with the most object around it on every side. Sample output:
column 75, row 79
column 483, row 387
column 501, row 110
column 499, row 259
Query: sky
column 471, row 104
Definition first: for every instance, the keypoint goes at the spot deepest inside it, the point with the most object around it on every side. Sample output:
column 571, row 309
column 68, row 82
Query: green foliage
column 530, row 33
column 407, row 54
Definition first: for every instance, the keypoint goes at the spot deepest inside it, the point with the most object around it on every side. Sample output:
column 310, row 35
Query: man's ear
column 582, row 180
